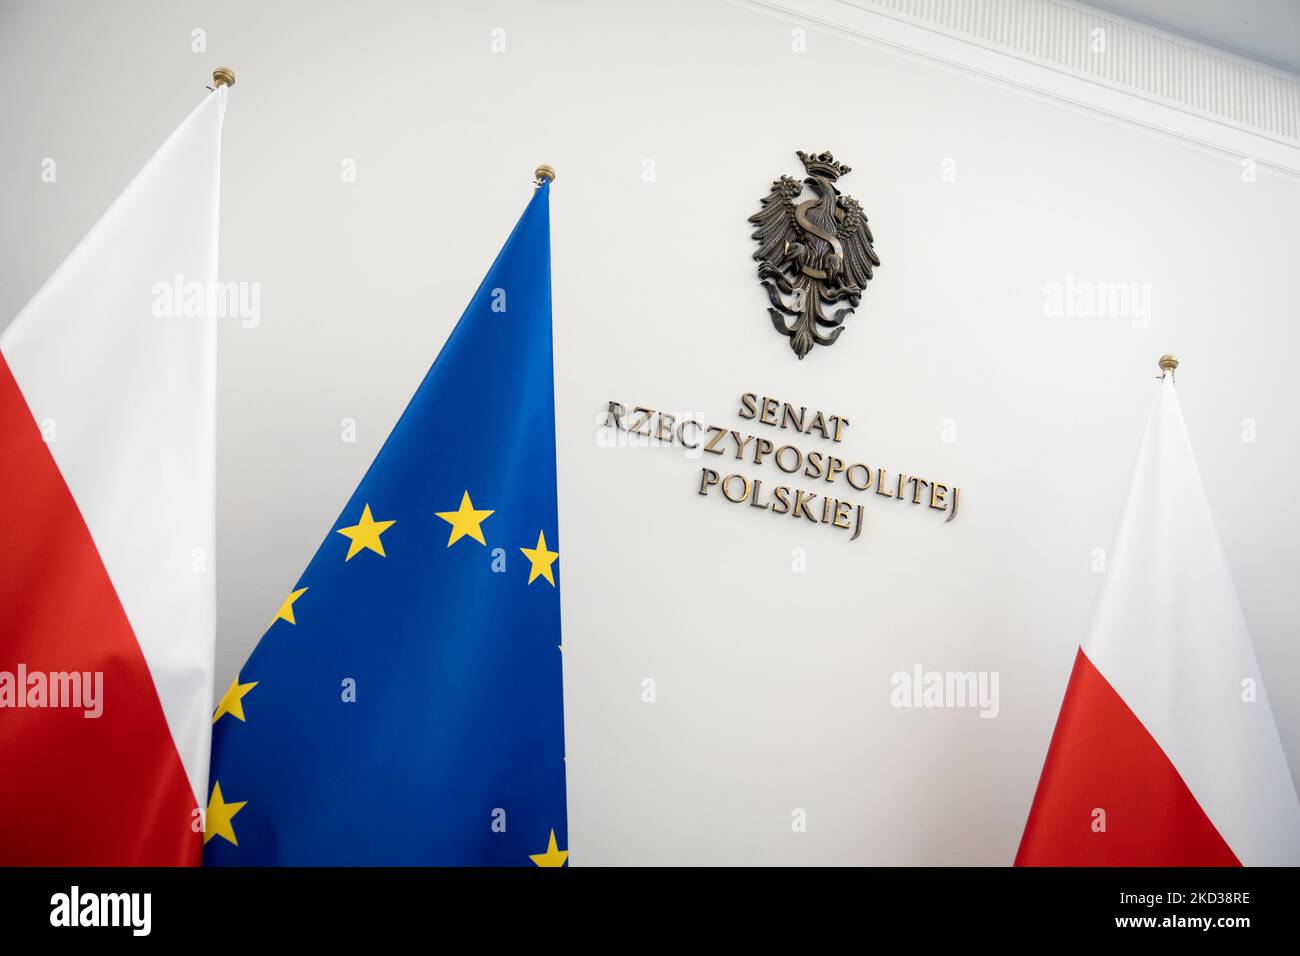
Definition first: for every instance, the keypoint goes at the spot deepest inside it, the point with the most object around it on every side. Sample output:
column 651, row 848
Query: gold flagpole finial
column 1167, row 364
column 223, row 76
column 543, row 172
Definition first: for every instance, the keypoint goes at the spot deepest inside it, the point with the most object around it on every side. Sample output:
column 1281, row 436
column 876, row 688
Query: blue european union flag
column 405, row 705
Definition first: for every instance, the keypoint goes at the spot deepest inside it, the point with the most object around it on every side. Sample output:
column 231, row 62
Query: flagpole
column 544, row 172
column 222, row 76
column 1168, row 363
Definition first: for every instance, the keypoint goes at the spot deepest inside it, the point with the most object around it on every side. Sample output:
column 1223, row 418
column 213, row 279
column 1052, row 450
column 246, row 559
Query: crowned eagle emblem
column 813, row 254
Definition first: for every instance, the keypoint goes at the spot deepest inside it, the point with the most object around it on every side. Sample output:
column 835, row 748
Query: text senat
column 771, row 411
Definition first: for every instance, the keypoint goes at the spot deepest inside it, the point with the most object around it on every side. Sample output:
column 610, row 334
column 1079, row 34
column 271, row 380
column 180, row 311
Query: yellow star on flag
column 552, row 857
column 541, row 560
column 219, row 816
column 465, row 521
column 286, row 609
column 365, row 534
column 232, row 702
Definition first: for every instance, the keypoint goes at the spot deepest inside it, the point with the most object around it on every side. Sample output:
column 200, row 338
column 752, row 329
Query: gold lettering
column 798, row 459
column 717, row 434
column 814, row 469
column 880, row 483
column 937, row 493
column 740, row 445
column 636, row 429
column 726, row 483
column 866, row 482
column 818, row 423
column 671, row 420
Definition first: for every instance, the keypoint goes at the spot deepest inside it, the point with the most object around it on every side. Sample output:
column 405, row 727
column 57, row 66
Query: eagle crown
column 824, row 165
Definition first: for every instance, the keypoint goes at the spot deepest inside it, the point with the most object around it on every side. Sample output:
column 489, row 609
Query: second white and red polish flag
column 107, row 487
column 1165, row 752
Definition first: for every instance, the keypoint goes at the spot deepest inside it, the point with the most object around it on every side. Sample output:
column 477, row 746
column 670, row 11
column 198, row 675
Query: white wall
column 773, row 687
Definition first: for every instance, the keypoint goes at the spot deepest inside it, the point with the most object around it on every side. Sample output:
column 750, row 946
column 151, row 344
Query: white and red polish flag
column 107, row 487
column 1165, row 752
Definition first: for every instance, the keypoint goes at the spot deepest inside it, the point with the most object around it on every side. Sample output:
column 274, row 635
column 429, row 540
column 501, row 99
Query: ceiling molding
column 1090, row 59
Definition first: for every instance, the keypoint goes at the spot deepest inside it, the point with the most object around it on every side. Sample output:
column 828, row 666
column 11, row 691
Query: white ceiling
column 1264, row 30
